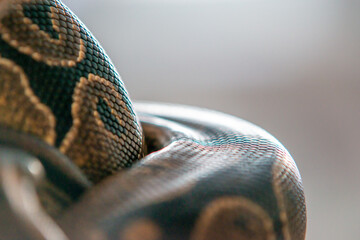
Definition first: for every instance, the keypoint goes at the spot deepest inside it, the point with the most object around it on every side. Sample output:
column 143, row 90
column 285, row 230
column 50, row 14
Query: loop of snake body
column 149, row 171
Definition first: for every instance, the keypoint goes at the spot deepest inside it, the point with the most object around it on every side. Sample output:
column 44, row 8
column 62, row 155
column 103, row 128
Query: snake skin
column 160, row 172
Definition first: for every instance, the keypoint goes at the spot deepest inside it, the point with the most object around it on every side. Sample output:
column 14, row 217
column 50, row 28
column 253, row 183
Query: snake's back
column 211, row 176
column 153, row 172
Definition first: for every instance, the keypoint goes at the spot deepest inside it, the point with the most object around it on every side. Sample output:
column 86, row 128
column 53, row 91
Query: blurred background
column 291, row 67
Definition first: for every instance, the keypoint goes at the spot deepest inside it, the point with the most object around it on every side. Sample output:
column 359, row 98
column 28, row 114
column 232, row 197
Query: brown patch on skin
column 98, row 151
column 233, row 218
column 95, row 233
column 21, row 33
column 142, row 229
column 20, row 108
column 3, row 7
column 285, row 175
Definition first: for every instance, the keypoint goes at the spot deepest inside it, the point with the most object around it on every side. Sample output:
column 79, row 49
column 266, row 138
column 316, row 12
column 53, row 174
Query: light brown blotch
column 21, row 33
column 291, row 211
column 141, row 229
column 20, row 108
column 98, row 151
column 233, row 218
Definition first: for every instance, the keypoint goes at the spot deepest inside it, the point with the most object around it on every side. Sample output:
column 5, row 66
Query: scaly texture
column 67, row 77
column 208, row 176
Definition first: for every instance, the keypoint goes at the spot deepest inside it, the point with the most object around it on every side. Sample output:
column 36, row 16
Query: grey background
column 291, row 67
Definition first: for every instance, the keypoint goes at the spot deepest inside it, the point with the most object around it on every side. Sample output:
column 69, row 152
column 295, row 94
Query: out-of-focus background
column 291, row 67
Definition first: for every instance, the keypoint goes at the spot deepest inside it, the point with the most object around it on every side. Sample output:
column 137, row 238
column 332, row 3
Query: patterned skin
column 196, row 174
column 64, row 88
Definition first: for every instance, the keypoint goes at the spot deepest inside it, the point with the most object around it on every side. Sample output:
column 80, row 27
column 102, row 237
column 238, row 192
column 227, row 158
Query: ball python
column 118, row 170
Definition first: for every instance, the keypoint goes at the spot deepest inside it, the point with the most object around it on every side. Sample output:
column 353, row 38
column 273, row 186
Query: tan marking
column 233, row 218
column 21, row 33
column 142, row 229
column 20, row 108
column 284, row 172
column 88, row 143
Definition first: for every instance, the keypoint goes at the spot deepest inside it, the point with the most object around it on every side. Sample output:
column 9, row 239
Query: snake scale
column 118, row 170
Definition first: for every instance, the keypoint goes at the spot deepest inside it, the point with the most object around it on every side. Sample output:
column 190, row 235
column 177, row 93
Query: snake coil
column 118, row 170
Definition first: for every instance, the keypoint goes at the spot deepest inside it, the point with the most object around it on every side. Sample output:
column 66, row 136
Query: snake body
column 156, row 171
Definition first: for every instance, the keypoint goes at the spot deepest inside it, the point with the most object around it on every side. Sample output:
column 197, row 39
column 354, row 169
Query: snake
column 117, row 169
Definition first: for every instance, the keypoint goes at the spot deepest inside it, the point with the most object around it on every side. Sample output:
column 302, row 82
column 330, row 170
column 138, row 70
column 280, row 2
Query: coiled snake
column 160, row 172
